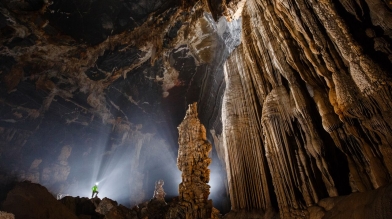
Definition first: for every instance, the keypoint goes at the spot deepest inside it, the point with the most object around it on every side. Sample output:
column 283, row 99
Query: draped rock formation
column 193, row 162
column 312, row 104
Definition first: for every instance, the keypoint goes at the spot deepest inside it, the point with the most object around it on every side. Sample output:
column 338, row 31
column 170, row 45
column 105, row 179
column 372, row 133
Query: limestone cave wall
column 307, row 108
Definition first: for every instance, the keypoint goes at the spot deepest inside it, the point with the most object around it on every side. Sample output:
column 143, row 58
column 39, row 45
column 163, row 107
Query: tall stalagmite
column 193, row 162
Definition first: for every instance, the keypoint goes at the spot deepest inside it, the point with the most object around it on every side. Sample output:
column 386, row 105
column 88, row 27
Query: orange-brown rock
column 306, row 104
column 193, row 162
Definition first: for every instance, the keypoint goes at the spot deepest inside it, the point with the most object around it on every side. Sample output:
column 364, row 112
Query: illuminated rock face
column 193, row 162
column 159, row 193
column 307, row 109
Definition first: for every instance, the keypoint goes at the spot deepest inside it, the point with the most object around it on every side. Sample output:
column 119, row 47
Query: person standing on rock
column 95, row 190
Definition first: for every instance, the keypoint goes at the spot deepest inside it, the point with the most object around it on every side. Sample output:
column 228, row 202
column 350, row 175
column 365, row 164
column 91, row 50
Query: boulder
column 5, row 215
column 105, row 205
column 375, row 204
column 81, row 207
column 33, row 201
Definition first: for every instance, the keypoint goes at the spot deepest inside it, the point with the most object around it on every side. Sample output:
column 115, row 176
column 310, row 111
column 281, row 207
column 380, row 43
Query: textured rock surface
column 308, row 105
column 251, row 214
column 193, row 162
column 370, row 204
column 159, row 193
column 105, row 206
column 157, row 209
column 27, row 200
column 5, row 215
column 97, row 208
column 81, row 207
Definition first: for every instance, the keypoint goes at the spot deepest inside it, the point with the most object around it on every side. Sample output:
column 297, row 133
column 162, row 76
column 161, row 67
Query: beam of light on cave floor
column 111, row 168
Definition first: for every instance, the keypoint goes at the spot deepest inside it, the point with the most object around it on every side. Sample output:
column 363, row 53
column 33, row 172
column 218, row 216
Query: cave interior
column 294, row 96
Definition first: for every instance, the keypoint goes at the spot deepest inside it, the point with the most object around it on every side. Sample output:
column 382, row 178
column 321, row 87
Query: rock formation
column 5, row 215
column 193, row 162
column 311, row 104
column 159, row 193
column 105, row 206
column 370, row 204
column 28, row 200
column 83, row 206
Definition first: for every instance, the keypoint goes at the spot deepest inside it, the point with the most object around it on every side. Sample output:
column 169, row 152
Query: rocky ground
column 30, row 200
column 27, row 200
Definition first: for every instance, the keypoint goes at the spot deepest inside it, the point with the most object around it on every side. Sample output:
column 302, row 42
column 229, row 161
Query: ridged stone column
column 193, row 162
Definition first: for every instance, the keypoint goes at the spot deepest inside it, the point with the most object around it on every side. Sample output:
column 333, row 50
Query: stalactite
column 246, row 168
column 302, row 55
column 380, row 15
column 350, row 6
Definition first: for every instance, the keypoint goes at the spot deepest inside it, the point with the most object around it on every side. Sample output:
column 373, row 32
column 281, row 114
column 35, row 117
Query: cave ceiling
column 91, row 62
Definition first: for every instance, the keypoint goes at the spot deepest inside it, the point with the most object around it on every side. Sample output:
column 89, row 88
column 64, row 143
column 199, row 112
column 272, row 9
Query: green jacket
column 95, row 188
